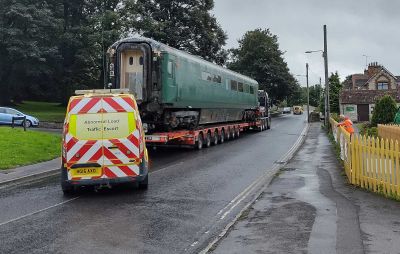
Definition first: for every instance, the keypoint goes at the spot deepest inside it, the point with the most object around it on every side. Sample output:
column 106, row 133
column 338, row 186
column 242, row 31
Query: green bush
column 335, row 116
column 385, row 111
column 373, row 132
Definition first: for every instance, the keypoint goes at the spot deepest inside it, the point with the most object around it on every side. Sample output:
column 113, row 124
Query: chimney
column 373, row 68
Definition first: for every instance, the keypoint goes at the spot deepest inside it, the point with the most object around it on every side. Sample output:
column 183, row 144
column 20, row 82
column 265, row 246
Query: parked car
column 286, row 110
column 7, row 114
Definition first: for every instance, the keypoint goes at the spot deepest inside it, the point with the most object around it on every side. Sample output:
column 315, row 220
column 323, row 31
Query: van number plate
column 88, row 172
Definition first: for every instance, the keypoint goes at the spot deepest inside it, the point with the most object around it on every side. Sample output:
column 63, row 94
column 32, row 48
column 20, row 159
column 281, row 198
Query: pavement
column 192, row 196
column 29, row 172
column 310, row 208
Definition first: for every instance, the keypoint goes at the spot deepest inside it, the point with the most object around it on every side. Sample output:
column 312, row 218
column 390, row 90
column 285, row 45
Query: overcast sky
column 355, row 28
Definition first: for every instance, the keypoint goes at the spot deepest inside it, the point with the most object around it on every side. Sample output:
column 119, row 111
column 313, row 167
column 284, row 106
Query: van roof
column 112, row 92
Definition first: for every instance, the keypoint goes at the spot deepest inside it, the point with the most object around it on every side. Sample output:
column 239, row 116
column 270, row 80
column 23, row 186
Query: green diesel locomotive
column 175, row 89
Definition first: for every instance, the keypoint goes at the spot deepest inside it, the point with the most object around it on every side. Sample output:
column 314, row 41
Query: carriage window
column 206, row 76
column 217, row 79
column 131, row 60
column 251, row 90
column 233, row 85
column 169, row 68
column 141, row 60
column 246, row 88
column 240, row 87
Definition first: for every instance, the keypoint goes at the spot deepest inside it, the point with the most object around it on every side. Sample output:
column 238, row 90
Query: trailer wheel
column 208, row 139
column 228, row 134
column 222, row 137
column 199, row 143
column 269, row 123
column 232, row 133
column 216, row 137
column 238, row 132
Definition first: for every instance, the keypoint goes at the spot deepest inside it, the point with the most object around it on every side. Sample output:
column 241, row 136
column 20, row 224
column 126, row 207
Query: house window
column 382, row 86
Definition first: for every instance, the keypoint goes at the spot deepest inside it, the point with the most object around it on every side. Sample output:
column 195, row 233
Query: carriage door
column 132, row 75
column 172, row 93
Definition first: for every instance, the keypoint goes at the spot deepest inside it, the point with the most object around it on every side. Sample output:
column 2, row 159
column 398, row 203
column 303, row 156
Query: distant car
column 286, row 110
column 297, row 110
column 6, row 115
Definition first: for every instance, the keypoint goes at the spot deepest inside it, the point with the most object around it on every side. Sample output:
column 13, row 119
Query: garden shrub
column 384, row 111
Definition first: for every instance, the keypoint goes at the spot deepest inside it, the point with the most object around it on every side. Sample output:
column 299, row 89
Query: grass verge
column 18, row 148
column 44, row 111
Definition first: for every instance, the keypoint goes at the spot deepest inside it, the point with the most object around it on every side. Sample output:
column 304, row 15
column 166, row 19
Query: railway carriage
column 177, row 90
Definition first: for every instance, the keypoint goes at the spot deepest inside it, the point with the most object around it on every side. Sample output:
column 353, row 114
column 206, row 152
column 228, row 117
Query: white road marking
column 232, row 222
column 38, row 211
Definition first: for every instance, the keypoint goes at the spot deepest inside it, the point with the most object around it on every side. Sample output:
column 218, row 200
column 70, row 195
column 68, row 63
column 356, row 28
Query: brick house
column 359, row 94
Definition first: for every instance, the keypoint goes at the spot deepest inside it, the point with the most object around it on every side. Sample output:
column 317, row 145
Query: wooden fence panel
column 371, row 163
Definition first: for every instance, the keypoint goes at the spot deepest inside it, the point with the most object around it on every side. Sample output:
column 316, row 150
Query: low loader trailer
column 206, row 136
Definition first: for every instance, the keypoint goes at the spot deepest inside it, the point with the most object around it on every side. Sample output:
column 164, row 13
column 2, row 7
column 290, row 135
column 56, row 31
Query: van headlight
column 145, row 127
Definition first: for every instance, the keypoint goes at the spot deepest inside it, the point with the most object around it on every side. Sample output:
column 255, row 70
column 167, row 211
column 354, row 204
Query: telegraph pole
column 308, row 96
column 325, row 53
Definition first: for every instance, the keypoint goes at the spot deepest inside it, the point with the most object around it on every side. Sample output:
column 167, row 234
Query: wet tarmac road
column 191, row 197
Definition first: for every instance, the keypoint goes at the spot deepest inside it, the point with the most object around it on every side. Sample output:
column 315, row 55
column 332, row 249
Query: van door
column 83, row 143
column 122, row 137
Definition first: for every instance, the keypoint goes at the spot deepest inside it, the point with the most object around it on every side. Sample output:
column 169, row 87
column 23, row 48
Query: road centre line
column 38, row 211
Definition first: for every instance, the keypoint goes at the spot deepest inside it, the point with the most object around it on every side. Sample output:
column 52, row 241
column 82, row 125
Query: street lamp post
column 308, row 96
column 325, row 56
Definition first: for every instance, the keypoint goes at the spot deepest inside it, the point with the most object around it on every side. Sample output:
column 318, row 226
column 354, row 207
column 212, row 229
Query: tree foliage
column 334, row 90
column 28, row 29
column 183, row 24
column 384, row 111
column 259, row 57
column 49, row 48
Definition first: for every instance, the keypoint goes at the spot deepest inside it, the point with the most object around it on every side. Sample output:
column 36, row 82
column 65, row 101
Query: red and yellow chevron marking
column 119, row 157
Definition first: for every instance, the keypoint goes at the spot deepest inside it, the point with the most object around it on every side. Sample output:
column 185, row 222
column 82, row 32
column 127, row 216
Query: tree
column 334, row 89
column 259, row 57
column 315, row 95
column 183, row 24
column 28, row 30
column 384, row 111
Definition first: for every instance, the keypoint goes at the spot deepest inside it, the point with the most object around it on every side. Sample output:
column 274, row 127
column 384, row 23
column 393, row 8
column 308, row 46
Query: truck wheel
column 216, row 138
column 222, row 137
column 208, row 139
column 199, row 144
column 67, row 188
column 144, row 184
column 269, row 123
